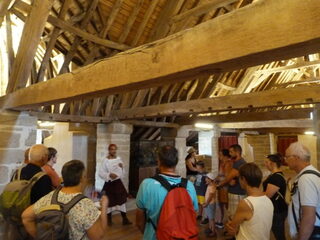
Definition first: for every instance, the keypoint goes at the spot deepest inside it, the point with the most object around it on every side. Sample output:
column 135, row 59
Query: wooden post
column 30, row 39
column 4, row 5
column 316, row 125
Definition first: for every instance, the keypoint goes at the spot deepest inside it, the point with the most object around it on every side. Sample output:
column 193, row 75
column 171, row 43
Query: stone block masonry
column 17, row 133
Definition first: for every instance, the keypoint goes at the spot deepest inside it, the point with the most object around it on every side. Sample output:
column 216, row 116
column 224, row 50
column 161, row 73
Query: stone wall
column 261, row 147
column 116, row 133
column 17, row 133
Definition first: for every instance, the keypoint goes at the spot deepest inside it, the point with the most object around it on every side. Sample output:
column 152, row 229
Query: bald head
column 38, row 155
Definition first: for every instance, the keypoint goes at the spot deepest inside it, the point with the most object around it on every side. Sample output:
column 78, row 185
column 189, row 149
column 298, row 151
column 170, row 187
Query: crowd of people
column 256, row 207
column 237, row 198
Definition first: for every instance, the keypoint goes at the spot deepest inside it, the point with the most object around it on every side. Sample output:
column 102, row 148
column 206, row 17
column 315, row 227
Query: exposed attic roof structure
column 160, row 62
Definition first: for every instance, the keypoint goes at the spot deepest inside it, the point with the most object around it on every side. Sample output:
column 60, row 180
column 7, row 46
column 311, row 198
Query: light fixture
column 309, row 132
column 46, row 124
column 311, row 115
column 206, row 126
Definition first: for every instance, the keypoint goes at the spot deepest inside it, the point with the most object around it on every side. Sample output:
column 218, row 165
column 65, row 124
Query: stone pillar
column 17, row 133
column 311, row 143
column 72, row 142
column 261, row 148
column 181, row 146
column 316, row 126
column 61, row 139
column 215, row 150
column 247, row 149
column 205, row 142
column 116, row 133
column 273, row 143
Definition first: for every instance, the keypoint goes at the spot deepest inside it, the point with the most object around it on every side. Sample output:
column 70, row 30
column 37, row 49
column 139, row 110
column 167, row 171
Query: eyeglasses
column 286, row 157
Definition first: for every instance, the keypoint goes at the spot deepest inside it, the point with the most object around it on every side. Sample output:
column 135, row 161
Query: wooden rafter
column 4, row 5
column 52, row 42
column 139, row 68
column 9, row 42
column 276, row 97
column 30, row 39
column 74, row 30
column 201, row 9
column 301, row 113
column 145, row 21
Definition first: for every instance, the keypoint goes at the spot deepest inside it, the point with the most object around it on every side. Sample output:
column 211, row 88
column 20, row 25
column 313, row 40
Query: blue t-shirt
column 150, row 198
column 236, row 189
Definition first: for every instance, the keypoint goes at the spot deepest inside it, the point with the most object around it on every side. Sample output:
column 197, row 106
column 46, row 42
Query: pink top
column 55, row 179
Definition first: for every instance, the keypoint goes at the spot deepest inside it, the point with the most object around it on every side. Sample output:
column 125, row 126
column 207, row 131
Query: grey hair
column 300, row 151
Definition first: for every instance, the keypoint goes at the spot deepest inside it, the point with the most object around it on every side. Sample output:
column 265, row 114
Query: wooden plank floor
column 119, row 232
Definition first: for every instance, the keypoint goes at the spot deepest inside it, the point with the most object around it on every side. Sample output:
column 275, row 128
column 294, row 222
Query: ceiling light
column 46, row 124
column 207, row 126
column 309, row 132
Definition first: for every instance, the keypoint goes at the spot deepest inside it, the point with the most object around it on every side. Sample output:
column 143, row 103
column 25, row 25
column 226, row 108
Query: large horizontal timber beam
column 189, row 54
column 270, row 98
column 265, row 115
column 43, row 116
column 293, row 123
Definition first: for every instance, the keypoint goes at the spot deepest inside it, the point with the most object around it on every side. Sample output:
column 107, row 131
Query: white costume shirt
column 111, row 166
column 309, row 191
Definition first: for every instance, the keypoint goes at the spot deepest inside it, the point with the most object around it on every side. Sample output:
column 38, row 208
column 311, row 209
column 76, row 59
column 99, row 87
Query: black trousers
column 278, row 225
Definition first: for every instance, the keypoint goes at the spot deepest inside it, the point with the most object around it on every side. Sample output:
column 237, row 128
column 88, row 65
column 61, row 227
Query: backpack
column 294, row 190
column 52, row 220
column 15, row 197
column 177, row 218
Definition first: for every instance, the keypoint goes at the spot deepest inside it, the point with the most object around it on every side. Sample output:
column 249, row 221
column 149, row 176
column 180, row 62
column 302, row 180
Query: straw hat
column 191, row 150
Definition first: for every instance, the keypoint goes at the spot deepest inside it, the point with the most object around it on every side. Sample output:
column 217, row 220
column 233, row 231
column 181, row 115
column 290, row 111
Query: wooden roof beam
column 188, row 54
column 4, row 6
column 74, row 30
column 29, row 41
column 293, row 123
column 298, row 113
column 201, row 9
column 276, row 98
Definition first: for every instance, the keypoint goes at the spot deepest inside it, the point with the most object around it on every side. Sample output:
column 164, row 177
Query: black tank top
column 189, row 171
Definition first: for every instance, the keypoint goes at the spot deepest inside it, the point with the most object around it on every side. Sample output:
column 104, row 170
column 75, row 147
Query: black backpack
column 52, row 220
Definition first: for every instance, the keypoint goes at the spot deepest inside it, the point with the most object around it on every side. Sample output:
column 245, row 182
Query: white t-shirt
column 259, row 226
column 309, row 190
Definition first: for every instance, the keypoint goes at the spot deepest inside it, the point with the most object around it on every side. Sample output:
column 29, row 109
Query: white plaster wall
column 205, row 142
column 247, row 149
column 80, row 147
column 61, row 139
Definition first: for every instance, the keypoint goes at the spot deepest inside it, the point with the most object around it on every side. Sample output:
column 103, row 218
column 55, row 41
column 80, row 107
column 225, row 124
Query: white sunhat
column 211, row 175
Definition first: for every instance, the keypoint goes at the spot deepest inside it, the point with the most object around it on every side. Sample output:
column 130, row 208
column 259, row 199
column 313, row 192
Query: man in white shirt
column 304, row 210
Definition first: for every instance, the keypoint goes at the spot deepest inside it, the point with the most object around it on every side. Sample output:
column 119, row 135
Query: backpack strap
column 295, row 185
column 66, row 207
column 36, row 177
column 163, row 182
column 278, row 192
